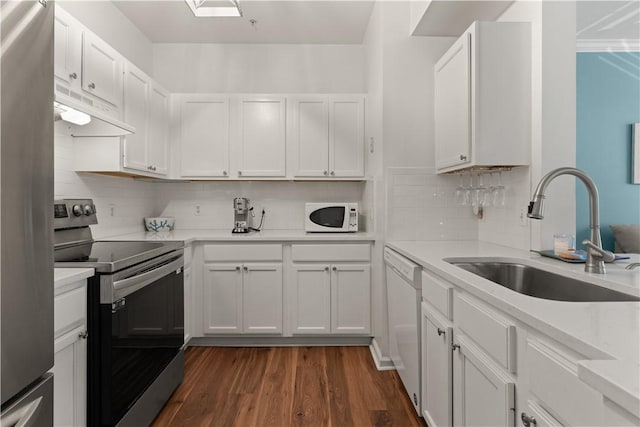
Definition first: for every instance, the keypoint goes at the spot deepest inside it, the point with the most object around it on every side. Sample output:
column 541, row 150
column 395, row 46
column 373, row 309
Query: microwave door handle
column 129, row 285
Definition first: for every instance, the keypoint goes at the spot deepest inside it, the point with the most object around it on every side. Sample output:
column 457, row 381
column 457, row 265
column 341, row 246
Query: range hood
column 85, row 121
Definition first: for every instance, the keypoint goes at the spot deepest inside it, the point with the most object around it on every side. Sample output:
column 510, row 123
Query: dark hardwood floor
column 287, row 386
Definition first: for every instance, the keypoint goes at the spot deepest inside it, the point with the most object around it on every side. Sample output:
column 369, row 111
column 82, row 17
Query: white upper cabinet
column 204, row 135
column 262, row 137
column 68, row 48
column 328, row 134
column 101, row 69
column 146, row 106
column 483, row 98
column 158, row 130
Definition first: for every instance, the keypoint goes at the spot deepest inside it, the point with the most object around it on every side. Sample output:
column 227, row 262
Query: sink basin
column 539, row 283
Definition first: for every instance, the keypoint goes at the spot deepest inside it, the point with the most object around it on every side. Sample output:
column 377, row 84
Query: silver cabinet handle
column 335, row 268
column 224, row 173
column 83, row 335
column 237, row 268
column 440, row 331
column 73, row 76
column 246, row 268
column 92, row 85
column 454, row 347
column 528, row 420
column 463, row 157
column 325, row 173
column 239, row 172
column 333, row 173
column 326, row 269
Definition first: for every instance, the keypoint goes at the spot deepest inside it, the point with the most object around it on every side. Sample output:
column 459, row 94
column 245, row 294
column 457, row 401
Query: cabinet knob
column 246, row 268
column 335, row 268
column 73, row 76
column 463, row 157
column 239, row 173
column 333, row 173
column 325, row 173
column 83, row 335
column 440, row 331
column 92, row 85
column 224, row 173
column 153, row 168
column 528, row 420
column 237, row 268
column 454, row 347
column 326, row 269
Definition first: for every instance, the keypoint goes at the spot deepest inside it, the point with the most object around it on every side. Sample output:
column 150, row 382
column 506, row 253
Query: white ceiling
column 608, row 20
column 308, row 22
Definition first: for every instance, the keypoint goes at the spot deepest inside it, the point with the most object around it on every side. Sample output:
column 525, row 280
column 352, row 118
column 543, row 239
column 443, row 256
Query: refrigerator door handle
column 25, row 417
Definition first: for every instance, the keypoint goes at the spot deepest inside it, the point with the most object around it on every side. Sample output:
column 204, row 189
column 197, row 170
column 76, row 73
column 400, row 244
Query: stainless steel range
column 135, row 317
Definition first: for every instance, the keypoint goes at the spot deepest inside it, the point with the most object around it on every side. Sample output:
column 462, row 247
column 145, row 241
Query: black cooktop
column 108, row 257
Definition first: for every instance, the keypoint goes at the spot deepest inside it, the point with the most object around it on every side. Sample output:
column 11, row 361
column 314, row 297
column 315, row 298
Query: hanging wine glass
column 499, row 193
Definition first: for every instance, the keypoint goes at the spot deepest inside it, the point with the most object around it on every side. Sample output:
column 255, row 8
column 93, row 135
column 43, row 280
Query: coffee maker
column 242, row 215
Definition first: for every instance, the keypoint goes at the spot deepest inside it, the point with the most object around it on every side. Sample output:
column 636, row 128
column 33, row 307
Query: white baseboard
column 383, row 363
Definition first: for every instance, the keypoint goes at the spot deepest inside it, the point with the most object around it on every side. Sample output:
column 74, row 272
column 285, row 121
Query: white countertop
column 190, row 236
column 606, row 331
column 64, row 277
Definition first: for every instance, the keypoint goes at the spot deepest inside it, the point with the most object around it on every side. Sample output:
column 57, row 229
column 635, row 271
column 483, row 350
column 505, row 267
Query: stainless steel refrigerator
column 26, row 209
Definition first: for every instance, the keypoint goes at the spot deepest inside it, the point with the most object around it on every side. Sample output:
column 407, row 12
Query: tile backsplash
column 420, row 206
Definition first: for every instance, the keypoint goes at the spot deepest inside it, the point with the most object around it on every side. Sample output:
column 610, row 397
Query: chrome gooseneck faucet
column 596, row 256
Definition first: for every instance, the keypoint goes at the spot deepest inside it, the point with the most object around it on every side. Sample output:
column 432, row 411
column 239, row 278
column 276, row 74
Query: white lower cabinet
column 242, row 298
column 437, row 370
column 311, row 299
column 70, row 356
column 482, row 394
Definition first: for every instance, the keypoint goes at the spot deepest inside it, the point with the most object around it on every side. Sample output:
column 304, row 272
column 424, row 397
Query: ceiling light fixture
column 209, row 8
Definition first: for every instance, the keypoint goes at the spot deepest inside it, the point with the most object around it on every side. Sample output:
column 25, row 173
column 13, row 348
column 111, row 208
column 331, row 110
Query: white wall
column 106, row 20
column 259, row 68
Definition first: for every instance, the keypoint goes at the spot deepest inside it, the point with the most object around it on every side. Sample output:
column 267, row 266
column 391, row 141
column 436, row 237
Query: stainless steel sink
column 538, row 283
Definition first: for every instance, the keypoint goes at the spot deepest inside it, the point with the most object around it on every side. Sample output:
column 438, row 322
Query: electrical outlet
column 524, row 220
column 196, row 212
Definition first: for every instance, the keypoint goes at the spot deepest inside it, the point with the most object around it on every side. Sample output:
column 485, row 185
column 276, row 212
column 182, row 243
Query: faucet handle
column 598, row 252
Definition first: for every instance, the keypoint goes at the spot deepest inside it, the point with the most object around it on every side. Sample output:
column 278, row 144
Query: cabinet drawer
column 69, row 310
column 494, row 333
column 342, row 252
column 542, row 417
column 233, row 252
column 438, row 293
column 554, row 382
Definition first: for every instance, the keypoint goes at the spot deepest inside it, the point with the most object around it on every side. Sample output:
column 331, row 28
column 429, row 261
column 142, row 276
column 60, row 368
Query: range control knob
column 88, row 210
column 77, row 210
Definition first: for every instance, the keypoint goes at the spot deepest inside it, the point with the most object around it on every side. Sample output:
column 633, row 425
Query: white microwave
column 331, row 217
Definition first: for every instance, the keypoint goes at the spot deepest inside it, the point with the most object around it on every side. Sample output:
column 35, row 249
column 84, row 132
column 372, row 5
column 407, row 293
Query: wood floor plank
column 286, row 386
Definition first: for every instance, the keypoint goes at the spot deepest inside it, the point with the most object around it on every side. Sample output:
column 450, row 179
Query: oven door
column 138, row 336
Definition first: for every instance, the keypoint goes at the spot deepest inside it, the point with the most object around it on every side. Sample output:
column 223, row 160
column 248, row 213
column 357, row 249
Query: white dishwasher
column 404, row 295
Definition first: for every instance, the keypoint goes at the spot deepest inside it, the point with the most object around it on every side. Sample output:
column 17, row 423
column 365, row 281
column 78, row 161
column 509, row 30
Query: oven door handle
column 124, row 287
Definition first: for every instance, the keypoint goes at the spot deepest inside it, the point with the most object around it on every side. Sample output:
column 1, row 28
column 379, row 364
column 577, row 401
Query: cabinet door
column 262, row 298
column 101, row 69
column 346, row 137
column 70, row 373
column 453, row 105
column 483, row 395
column 222, row 299
column 204, row 137
column 262, row 137
column 158, row 131
column 311, row 299
column 136, row 113
column 350, row 298
column 311, row 137
column 437, row 370
column 68, row 48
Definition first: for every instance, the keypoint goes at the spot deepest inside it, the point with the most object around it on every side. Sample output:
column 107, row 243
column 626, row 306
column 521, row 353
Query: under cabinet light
column 71, row 115
column 209, row 8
